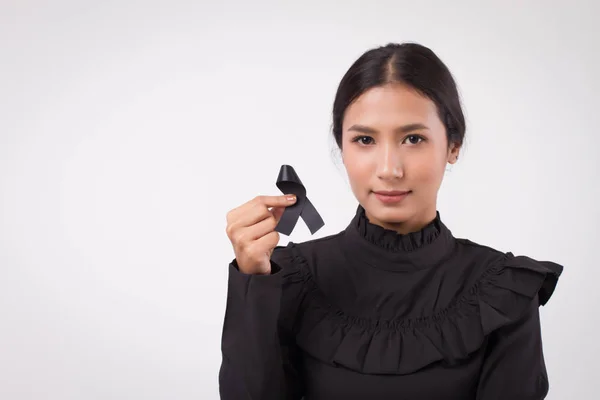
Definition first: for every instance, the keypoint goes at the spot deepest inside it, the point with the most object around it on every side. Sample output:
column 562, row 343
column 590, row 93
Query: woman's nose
column 389, row 163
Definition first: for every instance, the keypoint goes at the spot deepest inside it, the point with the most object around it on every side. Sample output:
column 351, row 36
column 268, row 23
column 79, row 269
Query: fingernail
column 290, row 197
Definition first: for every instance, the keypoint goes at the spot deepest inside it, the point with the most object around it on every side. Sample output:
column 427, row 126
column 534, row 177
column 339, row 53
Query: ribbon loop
column 289, row 182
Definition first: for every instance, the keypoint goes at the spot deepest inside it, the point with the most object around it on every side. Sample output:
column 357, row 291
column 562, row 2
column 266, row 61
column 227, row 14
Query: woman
column 393, row 306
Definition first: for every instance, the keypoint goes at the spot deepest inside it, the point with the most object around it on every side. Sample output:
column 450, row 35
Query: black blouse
column 368, row 313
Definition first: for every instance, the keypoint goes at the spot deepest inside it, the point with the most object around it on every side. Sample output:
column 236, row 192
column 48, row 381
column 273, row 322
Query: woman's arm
column 259, row 357
column 514, row 366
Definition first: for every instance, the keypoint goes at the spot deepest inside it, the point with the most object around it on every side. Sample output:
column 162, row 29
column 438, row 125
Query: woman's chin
column 389, row 214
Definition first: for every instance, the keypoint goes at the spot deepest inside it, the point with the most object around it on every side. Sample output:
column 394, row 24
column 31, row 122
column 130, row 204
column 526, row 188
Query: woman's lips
column 388, row 197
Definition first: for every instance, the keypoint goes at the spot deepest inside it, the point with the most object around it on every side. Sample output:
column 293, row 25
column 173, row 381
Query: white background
column 129, row 128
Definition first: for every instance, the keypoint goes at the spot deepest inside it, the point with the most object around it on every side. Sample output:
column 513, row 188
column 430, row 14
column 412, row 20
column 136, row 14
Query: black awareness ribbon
column 289, row 183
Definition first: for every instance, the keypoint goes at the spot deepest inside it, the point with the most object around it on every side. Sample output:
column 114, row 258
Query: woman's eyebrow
column 401, row 129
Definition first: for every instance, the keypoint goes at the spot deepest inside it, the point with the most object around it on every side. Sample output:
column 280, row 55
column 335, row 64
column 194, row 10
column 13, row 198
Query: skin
column 379, row 155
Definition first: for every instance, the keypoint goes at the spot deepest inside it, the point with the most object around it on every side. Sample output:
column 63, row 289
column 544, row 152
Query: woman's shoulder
column 493, row 271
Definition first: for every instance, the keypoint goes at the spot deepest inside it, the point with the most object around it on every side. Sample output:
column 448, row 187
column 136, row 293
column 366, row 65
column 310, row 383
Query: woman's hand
column 251, row 230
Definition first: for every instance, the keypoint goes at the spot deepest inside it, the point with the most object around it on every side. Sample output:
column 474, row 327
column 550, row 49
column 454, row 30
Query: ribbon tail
column 289, row 219
column 311, row 216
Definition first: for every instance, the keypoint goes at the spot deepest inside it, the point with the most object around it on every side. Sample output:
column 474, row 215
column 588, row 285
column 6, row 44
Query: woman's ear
column 453, row 153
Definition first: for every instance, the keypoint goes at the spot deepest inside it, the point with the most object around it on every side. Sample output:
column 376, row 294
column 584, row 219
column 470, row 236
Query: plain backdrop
column 128, row 129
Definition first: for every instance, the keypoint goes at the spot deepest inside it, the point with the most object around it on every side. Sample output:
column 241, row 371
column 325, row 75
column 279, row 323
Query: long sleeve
column 514, row 366
column 259, row 357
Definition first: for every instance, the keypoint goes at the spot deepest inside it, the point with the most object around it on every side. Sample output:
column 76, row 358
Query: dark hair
column 409, row 63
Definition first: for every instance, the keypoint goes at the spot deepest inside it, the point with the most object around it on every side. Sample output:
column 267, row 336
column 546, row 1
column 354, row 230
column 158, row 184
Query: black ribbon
column 289, row 183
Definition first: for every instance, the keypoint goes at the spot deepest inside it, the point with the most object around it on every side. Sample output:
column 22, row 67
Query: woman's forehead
column 390, row 107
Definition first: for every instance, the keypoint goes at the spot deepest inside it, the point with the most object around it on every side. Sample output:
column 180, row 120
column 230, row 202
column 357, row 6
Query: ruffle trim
column 392, row 240
column 501, row 296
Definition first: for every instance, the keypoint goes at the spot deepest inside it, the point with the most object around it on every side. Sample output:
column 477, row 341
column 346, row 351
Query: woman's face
column 393, row 140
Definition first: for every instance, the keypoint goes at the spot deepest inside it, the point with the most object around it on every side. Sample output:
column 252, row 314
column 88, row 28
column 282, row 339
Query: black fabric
column 368, row 313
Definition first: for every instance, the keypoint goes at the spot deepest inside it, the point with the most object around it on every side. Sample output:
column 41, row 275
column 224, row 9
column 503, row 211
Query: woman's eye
column 366, row 140
column 414, row 139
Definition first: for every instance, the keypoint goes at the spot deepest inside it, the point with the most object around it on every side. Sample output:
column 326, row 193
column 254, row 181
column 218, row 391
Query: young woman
column 393, row 306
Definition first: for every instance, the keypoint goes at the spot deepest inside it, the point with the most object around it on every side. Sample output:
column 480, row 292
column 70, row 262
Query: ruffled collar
column 387, row 249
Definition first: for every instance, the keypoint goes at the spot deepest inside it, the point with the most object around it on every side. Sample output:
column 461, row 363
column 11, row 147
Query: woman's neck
column 414, row 224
